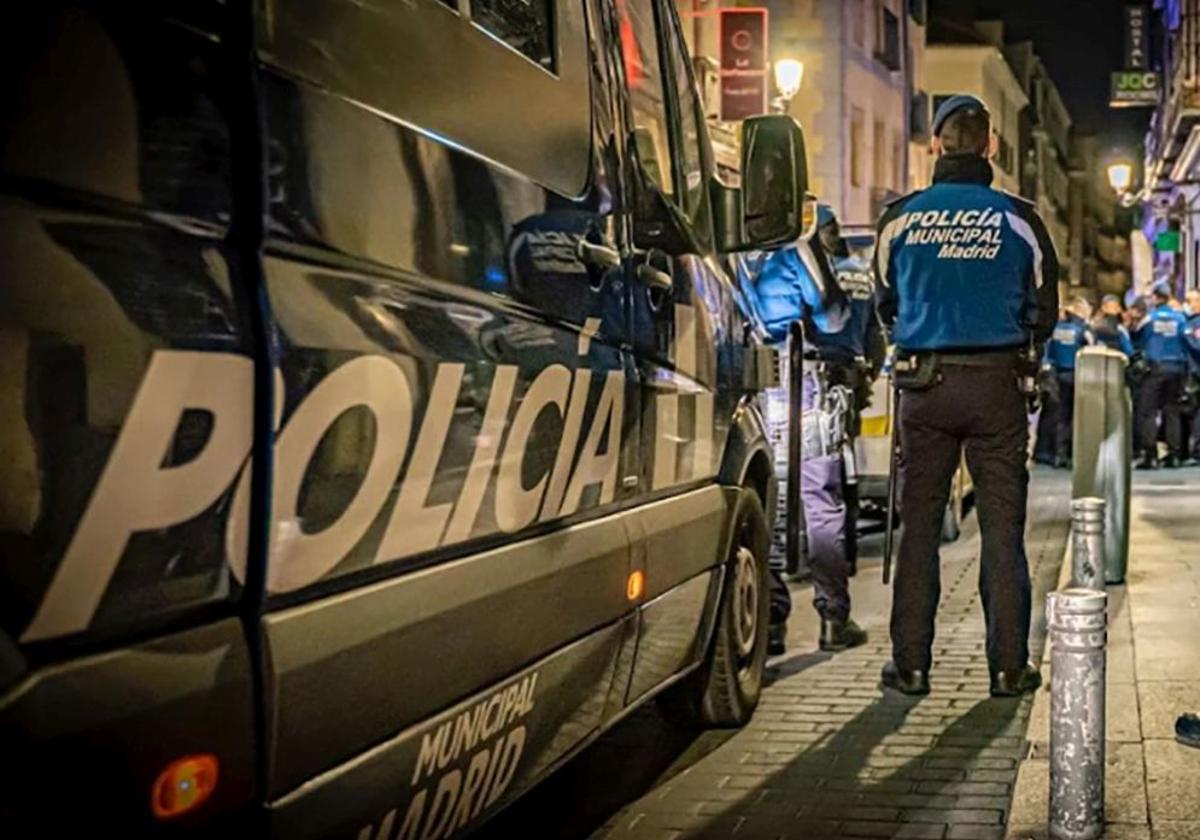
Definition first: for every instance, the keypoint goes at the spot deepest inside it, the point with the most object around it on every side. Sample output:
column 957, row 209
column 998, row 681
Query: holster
column 916, row 371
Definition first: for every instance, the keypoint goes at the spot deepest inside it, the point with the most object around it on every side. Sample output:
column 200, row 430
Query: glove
column 1047, row 381
column 1138, row 369
column 1189, row 397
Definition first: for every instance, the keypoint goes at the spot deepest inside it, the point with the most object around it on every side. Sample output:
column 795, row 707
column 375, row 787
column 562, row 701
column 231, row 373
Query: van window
column 504, row 80
column 525, row 25
column 690, row 138
column 643, row 75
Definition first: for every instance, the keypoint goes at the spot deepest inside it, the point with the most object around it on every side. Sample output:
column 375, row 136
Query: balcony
column 1179, row 113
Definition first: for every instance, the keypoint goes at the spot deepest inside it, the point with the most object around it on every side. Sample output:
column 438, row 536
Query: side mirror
column 772, row 206
column 774, row 181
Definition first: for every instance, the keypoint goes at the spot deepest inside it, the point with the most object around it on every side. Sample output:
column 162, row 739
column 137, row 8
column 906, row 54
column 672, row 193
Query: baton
column 893, row 470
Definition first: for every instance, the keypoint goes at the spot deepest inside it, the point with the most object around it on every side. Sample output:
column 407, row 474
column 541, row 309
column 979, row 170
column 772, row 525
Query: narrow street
column 828, row 754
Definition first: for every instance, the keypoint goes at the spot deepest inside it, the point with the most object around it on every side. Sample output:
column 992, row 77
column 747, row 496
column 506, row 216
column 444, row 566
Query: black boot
column 841, row 635
column 1016, row 682
column 1147, row 462
column 1172, row 462
column 777, row 639
column 1187, row 730
column 913, row 683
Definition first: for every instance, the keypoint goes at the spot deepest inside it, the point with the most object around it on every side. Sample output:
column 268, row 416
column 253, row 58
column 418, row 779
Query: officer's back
column 1070, row 335
column 968, row 277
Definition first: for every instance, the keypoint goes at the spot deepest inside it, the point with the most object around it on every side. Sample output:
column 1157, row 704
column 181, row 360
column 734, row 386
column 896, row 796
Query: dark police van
column 378, row 416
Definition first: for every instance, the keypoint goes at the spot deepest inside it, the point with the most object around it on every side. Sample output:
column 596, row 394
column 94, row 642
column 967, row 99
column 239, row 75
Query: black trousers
column 982, row 411
column 1056, row 425
column 1159, row 392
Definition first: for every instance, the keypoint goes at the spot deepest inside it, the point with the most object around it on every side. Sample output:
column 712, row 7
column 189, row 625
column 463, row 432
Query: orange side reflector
column 636, row 585
column 183, row 786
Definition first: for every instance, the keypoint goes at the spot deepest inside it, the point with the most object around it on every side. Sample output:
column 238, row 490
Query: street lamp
column 1120, row 176
column 788, row 74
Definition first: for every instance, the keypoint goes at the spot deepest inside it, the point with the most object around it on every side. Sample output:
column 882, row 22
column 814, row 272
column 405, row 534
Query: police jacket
column 862, row 336
column 797, row 283
column 1070, row 334
column 1109, row 331
column 1192, row 339
column 1160, row 336
column 963, row 267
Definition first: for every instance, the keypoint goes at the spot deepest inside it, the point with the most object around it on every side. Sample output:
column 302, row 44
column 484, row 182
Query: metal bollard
column 1087, row 543
column 1078, row 634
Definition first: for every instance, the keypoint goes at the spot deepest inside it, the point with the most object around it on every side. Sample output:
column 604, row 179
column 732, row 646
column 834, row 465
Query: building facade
column 981, row 70
column 863, row 61
column 1046, row 152
column 1170, row 196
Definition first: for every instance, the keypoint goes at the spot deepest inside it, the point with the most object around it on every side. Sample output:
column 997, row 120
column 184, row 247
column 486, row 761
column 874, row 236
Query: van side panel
column 458, row 413
column 125, row 417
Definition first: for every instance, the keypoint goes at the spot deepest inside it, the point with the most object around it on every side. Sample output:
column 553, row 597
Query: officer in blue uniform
column 1192, row 389
column 967, row 279
column 795, row 283
column 1161, row 337
column 1071, row 334
column 854, row 355
column 1107, row 328
column 836, row 378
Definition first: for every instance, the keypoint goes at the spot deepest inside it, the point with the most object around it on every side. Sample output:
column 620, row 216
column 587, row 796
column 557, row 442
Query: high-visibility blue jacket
column 1109, row 331
column 796, row 283
column 1192, row 339
column 1160, row 336
column 963, row 267
column 1070, row 334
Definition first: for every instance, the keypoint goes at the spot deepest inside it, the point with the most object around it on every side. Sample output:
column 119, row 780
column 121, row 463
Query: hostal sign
column 1133, row 88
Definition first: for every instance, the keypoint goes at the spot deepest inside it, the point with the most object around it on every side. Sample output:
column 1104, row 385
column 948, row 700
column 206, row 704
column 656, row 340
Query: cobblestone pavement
column 828, row 754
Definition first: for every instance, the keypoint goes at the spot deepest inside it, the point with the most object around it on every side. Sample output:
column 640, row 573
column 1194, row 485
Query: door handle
column 654, row 270
column 600, row 256
column 654, row 278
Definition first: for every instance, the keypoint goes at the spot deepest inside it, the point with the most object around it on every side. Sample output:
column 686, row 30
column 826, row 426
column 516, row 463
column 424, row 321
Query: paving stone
column 1171, row 830
column 1122, row 721
column 1031, row 796
column 1172, row 781
column 1124, row 784
column 975, row 832
column 1162, row 701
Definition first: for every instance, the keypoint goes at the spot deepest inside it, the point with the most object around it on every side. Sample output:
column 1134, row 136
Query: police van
column 380, row 420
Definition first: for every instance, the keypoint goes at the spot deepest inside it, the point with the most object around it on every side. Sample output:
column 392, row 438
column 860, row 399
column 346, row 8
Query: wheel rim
column 746, row 591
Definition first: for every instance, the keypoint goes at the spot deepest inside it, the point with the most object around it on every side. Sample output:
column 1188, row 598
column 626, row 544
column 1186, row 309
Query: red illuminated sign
column 744, row 64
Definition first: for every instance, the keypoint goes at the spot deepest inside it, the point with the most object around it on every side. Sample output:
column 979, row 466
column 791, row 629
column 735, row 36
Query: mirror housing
column 768, row 209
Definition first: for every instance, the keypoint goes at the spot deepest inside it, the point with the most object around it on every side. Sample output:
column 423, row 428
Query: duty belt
column 986, row 359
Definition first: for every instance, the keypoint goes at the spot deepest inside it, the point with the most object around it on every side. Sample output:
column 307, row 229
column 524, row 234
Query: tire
column 725, row 690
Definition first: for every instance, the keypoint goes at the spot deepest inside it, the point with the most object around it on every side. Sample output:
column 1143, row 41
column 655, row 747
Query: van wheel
column 724, row 691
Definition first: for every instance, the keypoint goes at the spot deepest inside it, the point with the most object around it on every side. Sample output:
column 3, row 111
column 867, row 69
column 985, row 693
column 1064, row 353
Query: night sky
column 1080, row 42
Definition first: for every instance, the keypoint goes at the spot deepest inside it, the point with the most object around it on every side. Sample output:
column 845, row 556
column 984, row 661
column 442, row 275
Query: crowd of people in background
column 1160, row 335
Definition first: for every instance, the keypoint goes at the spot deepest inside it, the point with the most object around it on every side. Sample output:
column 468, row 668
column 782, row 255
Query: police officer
column 1108, row 328
column 854, row 355
column 1192, row 389
column 967, row 279
column 1070, row 335
column 798, row 283
column 1161, row 337
column 836, row 375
